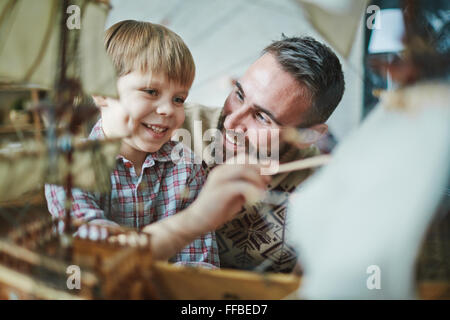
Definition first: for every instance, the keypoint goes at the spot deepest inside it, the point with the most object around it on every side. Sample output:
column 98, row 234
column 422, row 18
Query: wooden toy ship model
column 38, row 258
column 34, row 265
column 34, row 253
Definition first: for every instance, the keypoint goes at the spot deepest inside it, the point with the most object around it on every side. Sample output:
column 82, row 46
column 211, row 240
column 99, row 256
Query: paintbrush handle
column 304, row 164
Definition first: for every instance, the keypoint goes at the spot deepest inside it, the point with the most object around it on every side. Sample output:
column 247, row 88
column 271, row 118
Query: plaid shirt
column 136, row 201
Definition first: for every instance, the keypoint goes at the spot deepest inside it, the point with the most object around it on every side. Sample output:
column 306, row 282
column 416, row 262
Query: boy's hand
column 227, row 189
column 118, row 120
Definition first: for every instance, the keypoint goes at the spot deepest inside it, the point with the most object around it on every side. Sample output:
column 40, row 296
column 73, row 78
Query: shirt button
column 128, row 165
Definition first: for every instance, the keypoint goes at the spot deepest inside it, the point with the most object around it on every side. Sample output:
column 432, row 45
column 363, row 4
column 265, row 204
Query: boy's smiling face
column 155, row 105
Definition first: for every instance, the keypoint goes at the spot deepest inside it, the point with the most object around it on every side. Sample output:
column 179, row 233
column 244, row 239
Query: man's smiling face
column 266, row 97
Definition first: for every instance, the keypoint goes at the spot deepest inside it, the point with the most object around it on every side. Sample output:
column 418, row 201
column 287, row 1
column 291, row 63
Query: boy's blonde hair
column 144, row 46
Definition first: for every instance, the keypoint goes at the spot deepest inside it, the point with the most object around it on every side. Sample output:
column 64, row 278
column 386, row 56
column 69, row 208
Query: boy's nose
column 165, row 109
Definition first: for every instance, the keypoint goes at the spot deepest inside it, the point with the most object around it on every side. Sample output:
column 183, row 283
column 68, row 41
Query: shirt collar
column 164, row 153
column 97, row 131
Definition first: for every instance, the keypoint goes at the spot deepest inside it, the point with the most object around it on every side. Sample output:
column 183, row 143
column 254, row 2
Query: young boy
column 156, row 71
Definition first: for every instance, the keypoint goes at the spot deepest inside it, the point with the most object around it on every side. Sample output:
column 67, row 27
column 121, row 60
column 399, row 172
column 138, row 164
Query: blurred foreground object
column 374, row 201
column 39, row 50
column 360, row 222
column 187, row 283
column 33, row 266
column 30, row 44
column 25, row 167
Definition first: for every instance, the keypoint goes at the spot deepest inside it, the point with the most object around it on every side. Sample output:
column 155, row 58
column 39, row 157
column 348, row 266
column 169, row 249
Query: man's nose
column 236, row 119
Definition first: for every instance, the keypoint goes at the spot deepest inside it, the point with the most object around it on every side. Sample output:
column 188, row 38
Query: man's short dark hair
column 314, row 65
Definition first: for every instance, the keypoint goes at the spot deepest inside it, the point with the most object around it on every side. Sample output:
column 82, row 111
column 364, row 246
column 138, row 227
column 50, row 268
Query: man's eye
column 261, row 117
column 151, row 92
column 239, row 95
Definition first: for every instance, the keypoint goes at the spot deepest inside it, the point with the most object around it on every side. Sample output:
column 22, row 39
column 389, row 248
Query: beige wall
column 226, row 36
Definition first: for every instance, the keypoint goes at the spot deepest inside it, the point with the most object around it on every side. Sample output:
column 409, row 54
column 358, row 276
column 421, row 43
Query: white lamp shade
column 387, row 38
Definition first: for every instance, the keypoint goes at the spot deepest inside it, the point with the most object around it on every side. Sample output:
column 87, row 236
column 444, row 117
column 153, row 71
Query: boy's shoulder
column 180, row 154
column 199, row 119
column 97, row 131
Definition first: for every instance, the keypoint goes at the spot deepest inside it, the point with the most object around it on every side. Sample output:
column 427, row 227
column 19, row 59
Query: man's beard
column 221, row 121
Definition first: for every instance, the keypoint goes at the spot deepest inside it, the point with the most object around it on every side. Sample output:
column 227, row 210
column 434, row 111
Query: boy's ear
column 100, row 101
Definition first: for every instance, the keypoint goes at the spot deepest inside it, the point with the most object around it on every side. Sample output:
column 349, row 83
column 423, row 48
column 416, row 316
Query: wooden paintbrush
column 304, row 164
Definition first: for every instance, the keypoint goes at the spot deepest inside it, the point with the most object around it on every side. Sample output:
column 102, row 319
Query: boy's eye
column 179, row 100
column 151, row 92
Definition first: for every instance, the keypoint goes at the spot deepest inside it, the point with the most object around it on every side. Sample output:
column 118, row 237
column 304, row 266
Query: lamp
column 387, row 38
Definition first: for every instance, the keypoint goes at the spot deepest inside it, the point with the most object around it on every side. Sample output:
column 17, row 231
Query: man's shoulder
column 209, row 116
column 196, row 108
